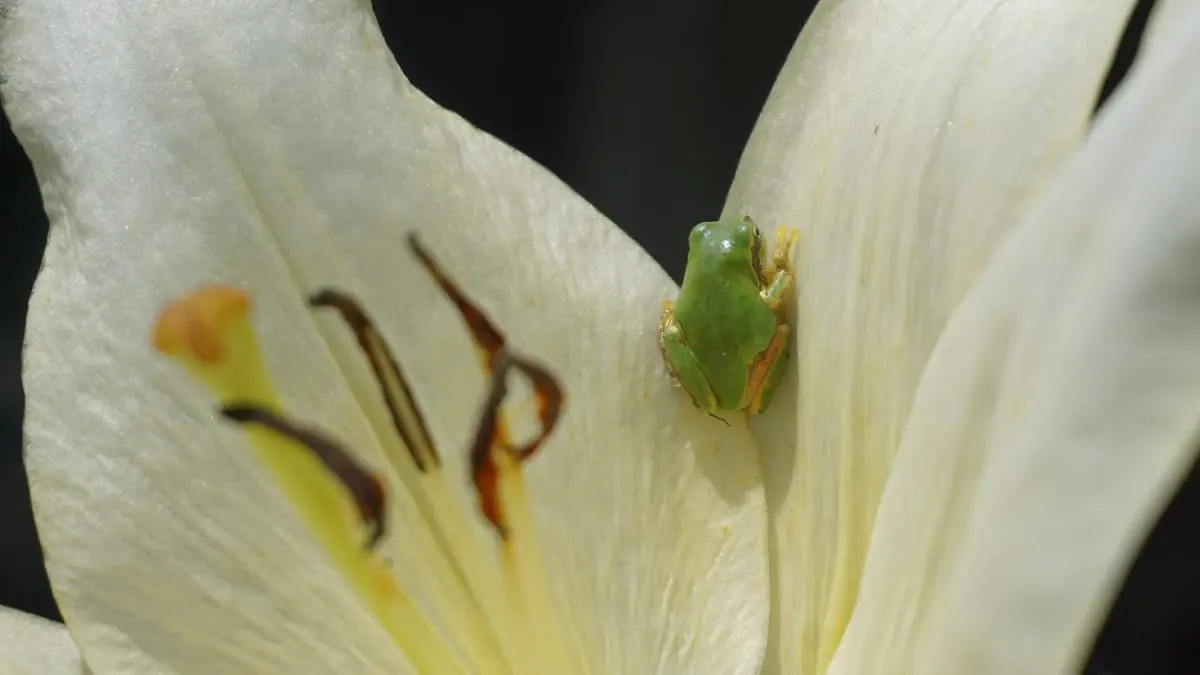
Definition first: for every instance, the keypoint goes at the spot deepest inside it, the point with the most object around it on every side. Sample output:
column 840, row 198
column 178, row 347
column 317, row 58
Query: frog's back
column 720, row 309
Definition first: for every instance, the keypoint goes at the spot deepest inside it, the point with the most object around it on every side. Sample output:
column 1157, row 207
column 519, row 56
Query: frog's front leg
column 682, row 363
column 767, row 371
column 780, row 276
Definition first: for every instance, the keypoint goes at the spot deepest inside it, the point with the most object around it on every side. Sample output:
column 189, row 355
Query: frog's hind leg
column 767, row 371
column 682, row 364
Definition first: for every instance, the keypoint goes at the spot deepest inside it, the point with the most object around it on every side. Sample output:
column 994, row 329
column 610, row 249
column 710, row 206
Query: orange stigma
column 197, row 324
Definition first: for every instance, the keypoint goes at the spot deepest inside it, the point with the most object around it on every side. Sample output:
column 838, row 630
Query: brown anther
column 364, row 487
column 196, row 324
column 491, row 436
column 402, row 406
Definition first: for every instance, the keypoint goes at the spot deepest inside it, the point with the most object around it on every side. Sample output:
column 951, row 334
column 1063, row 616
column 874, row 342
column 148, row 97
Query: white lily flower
column 953, row 482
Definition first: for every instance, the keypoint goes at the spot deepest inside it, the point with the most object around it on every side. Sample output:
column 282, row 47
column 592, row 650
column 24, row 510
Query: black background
column 643, row 107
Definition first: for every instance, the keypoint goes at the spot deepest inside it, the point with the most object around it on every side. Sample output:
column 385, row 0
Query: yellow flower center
column 501, row 620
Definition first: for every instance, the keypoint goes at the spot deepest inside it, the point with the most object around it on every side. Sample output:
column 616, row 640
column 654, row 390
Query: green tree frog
column 726, row 337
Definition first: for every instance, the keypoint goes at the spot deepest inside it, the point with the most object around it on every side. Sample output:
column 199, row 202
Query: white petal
column 276, row 145
column 31, row 645
column 902, row 139
column 1059, row 411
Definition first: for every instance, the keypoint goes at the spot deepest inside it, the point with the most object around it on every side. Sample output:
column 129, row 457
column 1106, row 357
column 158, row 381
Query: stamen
column 496, row 361
column 365, row 487
column 499, row 483
column 406, row 415
column 210, row 335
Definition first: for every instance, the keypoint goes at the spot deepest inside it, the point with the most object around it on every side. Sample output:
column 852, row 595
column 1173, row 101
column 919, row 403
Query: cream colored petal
column 31, row 645
column 1059, row 411
column 902, row 139
column 277, row 146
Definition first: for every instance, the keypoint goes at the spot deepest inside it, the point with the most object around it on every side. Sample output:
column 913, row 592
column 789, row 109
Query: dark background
column 643, row 106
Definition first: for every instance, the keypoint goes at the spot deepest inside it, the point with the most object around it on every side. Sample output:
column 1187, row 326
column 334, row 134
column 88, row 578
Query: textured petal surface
column 1059, row 411
column 277, row 146
column 31, row 645
column 903, row 139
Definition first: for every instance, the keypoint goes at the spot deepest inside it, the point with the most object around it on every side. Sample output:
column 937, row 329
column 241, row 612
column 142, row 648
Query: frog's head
column 732, row 241
column 733, row 236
